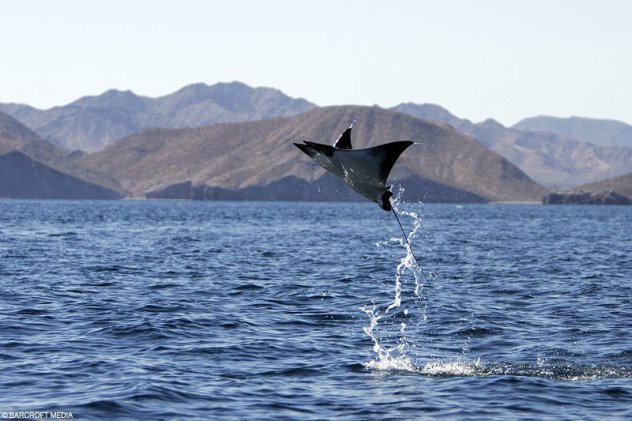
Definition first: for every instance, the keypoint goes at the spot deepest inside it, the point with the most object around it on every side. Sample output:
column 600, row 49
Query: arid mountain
column 433, row 112
column 32, row 167
column 258, row 160
column 21, row 177
column 553, row 160
column 16, row 136
column 93, row 122
column 622, row 184
column 596, row 131
column 550, row 159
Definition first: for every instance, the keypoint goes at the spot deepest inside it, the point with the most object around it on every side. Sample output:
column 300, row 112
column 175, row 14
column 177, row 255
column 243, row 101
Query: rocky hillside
column 551, row 159
column 93, row 122
column 21, row 177
column 258, row 160
column 30, row 167
column 596, row 131
column 622, row 185
column 558, row 158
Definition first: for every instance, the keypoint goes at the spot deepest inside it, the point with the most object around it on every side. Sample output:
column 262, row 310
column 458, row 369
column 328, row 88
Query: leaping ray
column 364, row 170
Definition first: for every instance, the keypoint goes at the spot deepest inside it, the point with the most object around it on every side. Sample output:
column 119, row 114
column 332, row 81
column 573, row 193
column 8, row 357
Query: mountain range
column 597, row 132
column 554, row 160
column 94, row 122
column 233, row 141
column 30, row 167
column 226, row 160
column 257, row 160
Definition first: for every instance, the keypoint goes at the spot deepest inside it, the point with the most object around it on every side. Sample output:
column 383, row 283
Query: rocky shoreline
column 608, row 197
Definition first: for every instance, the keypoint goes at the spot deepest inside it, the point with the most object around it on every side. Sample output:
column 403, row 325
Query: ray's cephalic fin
column 344, row 141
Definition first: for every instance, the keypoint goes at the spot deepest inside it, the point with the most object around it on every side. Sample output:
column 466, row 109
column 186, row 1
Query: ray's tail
column 410, row 247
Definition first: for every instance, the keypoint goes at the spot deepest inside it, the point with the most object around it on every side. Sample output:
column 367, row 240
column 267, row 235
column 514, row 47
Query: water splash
column 388, row 358
column 450, row 368
column 561, row 372
column 395, row 356
column 403, row 341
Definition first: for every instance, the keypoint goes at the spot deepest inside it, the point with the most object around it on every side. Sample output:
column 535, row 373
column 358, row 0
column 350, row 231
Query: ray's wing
column 366, row 170
column 387, row 155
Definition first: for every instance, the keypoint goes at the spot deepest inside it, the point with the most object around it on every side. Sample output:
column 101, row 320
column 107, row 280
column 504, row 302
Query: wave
column 563, row 372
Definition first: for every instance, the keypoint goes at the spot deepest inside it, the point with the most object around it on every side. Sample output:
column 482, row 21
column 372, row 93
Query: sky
column 480, row 59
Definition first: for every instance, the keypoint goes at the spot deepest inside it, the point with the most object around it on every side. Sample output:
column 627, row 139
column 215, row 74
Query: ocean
column 274, row 310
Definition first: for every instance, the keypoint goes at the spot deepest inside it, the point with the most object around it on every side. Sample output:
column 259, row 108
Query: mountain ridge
column 167, row 159
column 30, row 167
column 93, row 122
column 554, row 160
column 600, row 132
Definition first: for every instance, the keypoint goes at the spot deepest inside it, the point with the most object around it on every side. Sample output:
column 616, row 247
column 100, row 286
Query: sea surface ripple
column 246, row 310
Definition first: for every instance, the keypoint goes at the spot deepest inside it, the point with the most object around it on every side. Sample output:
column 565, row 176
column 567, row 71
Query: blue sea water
column 238, row 310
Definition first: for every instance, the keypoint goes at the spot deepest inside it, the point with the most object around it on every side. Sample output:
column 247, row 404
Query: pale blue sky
column 482, row 58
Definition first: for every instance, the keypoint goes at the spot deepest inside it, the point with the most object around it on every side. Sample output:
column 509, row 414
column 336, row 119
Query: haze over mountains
column 597, row 132
column 30, row 167
column 181, row 146
column 94, row 122
column 552, row 159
